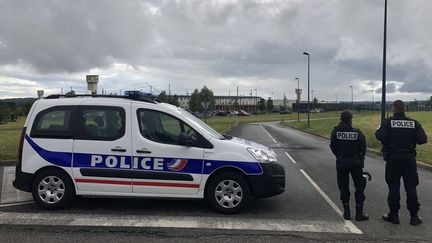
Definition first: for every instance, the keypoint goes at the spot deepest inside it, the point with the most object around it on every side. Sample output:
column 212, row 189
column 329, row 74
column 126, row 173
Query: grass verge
column 368, row 123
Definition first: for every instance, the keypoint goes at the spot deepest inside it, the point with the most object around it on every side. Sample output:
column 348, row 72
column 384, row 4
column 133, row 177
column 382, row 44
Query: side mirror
column 185, row 139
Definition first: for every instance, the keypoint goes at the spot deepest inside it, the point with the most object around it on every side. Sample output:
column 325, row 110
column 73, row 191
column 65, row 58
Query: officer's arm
column 421, row 137
column 333, row 142
column 381, row 133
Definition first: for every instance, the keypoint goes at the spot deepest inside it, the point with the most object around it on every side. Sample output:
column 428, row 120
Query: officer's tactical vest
column 347, row 142
column 401, row 135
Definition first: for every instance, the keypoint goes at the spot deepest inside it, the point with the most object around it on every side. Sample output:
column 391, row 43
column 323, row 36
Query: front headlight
column 263, row 156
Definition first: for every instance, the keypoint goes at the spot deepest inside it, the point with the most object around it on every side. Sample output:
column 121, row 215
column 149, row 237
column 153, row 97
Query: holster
column 385, row 154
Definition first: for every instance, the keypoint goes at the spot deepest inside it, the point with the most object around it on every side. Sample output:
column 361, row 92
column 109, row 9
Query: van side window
column 53, row 123
column 161, row 127
column 101, row 123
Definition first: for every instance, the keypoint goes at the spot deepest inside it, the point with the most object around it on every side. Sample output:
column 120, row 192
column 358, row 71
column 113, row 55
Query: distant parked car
column 235, row 113
column 222, row 113
column 258, row 112
column 243, row 113
column 276, row 110
column 285, row 112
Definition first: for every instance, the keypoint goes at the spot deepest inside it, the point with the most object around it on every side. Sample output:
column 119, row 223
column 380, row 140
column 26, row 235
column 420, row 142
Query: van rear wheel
column 53, row 189
column 228, row 192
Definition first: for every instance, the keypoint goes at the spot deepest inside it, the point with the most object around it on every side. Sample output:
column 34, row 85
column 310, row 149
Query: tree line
column 11, row 109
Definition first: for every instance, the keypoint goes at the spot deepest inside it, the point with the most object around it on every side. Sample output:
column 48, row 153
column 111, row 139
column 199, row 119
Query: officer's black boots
column 360, row 215
column 415, row 219
column 347, row 211
column 391, row 217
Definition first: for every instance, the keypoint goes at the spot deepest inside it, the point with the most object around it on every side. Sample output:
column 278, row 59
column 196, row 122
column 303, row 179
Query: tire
column 53, row 189
column 228, row 192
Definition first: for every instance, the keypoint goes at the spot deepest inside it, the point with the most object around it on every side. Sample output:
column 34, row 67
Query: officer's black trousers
column 402, row 166
column 344, row 168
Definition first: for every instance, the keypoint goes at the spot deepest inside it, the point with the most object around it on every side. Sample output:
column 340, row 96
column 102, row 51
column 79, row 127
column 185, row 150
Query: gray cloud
column 216, row 43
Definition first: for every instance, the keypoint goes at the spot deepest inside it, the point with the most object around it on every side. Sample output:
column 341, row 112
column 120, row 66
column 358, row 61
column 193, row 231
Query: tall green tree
column 315, row 103
column 235, row 104
column 194, row 102
column 206, row 95
column 284, row 105
column 163, row 97
column 173, row 100
column 270, row 104
column 4, row 113
column 262, row 104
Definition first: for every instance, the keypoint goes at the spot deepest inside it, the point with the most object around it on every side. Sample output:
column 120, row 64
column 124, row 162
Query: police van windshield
column 200, row 124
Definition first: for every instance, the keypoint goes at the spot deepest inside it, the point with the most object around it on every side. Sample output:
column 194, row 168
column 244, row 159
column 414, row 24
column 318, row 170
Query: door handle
column 118, row 150
column 143, row 151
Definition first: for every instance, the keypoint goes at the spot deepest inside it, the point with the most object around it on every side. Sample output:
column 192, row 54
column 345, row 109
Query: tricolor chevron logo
column 177, row 164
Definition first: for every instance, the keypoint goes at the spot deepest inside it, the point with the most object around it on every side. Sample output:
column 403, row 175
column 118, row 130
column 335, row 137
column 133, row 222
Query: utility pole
column 298, row 92
column 383, row 96
column 237, row 99
column 308, row 104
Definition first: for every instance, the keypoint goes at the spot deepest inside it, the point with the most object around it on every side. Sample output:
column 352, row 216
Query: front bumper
column 270, row 183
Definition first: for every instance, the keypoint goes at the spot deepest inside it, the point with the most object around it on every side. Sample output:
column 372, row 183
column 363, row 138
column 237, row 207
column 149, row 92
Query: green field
column 368, row 123
column 9, row 139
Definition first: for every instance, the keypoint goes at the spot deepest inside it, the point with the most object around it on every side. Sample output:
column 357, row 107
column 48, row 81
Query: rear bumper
column 22, row 180
column 270, row 183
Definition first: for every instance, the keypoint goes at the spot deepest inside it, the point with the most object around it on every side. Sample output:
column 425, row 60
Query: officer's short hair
column 346, row 116
column 398, row 106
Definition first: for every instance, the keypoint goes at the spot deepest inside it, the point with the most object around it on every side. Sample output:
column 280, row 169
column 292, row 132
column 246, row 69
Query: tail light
column 21, row 143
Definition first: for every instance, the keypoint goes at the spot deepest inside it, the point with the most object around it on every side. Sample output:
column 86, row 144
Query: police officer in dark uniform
column 399, row 136
column 349, row 146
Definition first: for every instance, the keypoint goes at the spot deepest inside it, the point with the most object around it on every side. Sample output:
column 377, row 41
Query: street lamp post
column 298, row 98
column 383, row 96
column 308, row 102
column 352, row 98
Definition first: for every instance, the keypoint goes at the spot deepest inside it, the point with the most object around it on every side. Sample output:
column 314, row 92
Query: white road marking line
column 274, row 140
column 15, row 204
column 289, row 156
column 118, row 221
column 348, row 223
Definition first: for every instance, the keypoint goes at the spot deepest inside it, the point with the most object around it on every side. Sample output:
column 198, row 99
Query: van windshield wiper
column 226, row 136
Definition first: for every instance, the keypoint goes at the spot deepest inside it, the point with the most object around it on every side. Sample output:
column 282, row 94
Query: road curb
column 230, row 128
column 8, row 162
column 375, row 152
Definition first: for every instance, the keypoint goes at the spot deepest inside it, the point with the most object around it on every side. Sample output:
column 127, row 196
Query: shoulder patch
column 347, row 136
column 402, row 124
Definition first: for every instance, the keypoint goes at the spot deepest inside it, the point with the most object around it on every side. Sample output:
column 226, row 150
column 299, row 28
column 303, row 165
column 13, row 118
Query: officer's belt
column 401, row 151
column 353, row 157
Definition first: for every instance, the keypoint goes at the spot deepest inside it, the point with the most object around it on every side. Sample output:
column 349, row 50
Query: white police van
column 136, row 147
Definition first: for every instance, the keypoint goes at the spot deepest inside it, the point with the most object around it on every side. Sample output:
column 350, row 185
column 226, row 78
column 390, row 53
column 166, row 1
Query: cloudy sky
column 252, row 44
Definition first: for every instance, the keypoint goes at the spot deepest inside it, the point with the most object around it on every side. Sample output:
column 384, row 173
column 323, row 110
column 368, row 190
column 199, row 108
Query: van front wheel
column 53, row 189
column 228, row 192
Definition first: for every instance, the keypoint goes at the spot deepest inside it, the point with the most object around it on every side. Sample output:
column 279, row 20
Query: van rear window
column 53, row 123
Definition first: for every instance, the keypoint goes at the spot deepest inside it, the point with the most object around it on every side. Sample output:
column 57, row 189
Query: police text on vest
column 402, row 124
column 347, row 135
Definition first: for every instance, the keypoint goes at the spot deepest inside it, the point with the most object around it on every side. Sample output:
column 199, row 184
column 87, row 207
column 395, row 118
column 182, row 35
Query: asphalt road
column 308, row 210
